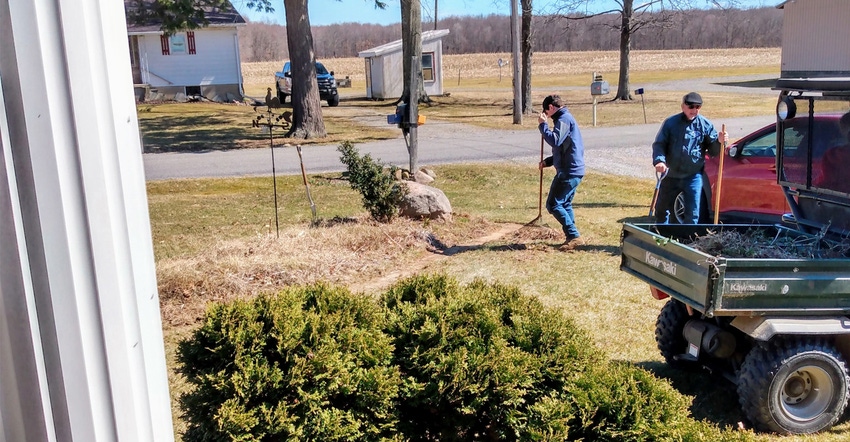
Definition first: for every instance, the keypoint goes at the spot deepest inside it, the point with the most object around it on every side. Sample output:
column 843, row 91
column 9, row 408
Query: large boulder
column 424, row 201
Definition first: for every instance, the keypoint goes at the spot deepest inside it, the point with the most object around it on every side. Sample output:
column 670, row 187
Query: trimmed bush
column 381, row 193
column 308, row 364
column 437, row 361
column 484, row 362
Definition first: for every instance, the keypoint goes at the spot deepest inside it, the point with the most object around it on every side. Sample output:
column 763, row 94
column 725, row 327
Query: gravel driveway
column 623, row 150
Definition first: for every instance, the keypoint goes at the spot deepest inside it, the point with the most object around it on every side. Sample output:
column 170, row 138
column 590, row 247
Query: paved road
column 621, row 150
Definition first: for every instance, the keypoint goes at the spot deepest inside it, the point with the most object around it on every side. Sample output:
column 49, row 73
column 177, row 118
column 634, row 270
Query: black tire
column 679, row 209
column 794, row 387
column 668, row 333
column 333, row 101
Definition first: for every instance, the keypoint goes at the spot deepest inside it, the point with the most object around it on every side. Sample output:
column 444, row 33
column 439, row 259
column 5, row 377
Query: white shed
column 814, row 38
column 385, row 70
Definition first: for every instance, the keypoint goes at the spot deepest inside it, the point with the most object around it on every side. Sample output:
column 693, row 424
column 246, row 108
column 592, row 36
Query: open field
column 475, row 95
column 559, row 68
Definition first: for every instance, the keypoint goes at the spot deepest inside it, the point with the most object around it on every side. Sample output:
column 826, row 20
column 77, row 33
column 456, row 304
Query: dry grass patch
column 547, row 64
column 341, row 251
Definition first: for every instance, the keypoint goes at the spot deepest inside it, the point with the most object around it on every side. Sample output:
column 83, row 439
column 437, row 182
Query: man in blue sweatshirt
column 678, row 155
column 568, row 159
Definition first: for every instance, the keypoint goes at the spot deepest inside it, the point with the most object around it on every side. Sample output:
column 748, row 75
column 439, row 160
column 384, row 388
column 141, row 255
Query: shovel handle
column 658, row 178
column 719, row 178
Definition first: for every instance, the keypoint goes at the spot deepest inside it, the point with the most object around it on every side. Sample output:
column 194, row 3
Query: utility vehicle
column 779, row 328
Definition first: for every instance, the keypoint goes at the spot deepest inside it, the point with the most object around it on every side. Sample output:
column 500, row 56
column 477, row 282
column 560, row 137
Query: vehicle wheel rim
column 679, row 208
column 806, row 393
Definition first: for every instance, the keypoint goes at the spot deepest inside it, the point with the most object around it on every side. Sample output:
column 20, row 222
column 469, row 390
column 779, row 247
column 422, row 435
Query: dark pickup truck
column 777, row 327
column 324, row 79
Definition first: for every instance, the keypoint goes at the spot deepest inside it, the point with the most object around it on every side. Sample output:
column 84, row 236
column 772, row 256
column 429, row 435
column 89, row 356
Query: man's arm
column 659, row 146
column 711, row 143
column 555, row 137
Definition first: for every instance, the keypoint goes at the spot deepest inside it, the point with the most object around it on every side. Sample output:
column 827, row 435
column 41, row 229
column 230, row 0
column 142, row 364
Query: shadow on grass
column 765, row 83
column 196, row 133
column 638, row 220
column 715, row 397
column 437, row 247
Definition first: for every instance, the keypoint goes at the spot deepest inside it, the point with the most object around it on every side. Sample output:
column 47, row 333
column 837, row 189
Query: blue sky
column 325, row 12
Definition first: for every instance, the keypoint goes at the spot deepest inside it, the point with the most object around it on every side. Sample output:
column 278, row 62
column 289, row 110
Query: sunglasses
column 693, row 106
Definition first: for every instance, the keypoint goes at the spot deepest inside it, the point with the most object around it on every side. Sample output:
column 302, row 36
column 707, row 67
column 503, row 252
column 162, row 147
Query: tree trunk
column 527, row 105
column 307, row 119
column 625, row 50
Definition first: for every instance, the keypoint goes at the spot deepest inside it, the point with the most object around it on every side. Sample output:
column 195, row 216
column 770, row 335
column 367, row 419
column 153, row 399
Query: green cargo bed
column 727, row 286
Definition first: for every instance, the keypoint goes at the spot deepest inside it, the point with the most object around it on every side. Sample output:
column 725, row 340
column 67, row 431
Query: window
column 428, row 66
column 179, row 43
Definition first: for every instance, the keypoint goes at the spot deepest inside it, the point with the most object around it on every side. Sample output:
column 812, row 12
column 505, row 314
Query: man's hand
column 541, row 165
column 722, row 137
column 541, row 118
column 661, row 168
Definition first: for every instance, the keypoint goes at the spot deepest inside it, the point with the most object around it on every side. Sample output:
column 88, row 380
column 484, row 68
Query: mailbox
column 599, row 87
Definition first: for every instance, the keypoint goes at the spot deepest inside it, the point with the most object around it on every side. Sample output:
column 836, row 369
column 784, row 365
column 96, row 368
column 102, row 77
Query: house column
column 81, row 350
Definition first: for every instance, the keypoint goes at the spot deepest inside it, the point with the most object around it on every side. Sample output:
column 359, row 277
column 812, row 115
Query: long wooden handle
column 540, row 194
column 719, row 178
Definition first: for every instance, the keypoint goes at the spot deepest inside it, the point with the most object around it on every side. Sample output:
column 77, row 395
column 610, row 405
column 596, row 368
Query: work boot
column 571, row 244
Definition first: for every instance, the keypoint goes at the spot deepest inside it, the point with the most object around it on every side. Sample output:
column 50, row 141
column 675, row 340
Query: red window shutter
column 190, row 37
column 163, row 40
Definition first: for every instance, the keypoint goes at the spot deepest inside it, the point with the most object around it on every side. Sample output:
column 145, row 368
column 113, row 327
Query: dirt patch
column 359, row 253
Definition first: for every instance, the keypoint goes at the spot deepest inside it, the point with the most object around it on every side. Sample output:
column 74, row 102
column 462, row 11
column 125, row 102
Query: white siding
column 435, row 87
column 814, row 38
column 216, row 61
column 393, row 76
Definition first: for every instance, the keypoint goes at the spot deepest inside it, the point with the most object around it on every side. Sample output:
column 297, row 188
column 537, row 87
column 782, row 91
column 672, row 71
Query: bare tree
column 527, row 44
column 307, row 119
column 652, row 13
column 632, row 19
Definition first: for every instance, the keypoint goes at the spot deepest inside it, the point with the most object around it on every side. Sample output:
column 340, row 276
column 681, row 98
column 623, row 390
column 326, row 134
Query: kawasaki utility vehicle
column 778, row 327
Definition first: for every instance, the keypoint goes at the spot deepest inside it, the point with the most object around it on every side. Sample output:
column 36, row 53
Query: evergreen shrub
column 381, row 193
column 435, row 361
column 309, row 364
column 484, row 362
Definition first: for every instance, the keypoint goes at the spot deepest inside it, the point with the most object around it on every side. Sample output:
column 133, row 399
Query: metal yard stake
column 270, row 120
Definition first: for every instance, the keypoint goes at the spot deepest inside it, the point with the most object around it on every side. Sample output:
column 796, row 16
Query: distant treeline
column 692, row 29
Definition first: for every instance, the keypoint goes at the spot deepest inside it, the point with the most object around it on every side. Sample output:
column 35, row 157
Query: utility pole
column 435, row 14
column 515, row 62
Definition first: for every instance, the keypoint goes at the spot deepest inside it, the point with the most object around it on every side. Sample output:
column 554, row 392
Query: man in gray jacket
column 678, row 155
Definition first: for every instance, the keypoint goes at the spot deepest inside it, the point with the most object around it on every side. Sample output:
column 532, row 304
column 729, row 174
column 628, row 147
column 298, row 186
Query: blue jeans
column 691, row 189
column 560, row 202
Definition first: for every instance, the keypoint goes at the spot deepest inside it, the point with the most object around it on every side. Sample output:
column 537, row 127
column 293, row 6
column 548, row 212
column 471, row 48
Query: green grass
column 192, row 216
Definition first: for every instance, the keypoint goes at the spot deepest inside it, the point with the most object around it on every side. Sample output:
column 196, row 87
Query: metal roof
column 226, row 16
column 395, row 46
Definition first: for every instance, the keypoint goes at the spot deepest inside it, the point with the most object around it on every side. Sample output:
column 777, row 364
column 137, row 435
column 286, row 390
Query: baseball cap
column 692, row 98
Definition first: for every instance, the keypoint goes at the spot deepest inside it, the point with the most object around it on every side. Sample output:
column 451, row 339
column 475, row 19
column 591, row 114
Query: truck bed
column 727, row 286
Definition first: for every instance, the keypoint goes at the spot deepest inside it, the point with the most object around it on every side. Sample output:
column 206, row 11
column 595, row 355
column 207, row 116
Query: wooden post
column 719, row 178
